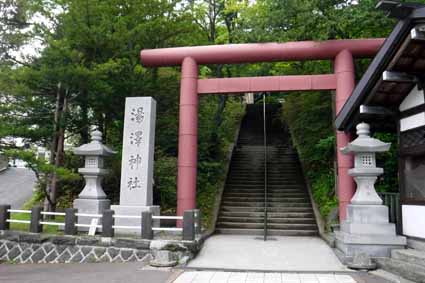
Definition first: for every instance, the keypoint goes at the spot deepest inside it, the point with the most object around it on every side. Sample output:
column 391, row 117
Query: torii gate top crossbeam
column 260, row 52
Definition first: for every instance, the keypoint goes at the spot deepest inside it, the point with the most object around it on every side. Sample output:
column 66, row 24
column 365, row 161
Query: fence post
column 198, row 221
column 4, row 216
column 35, row 226
column 188, row 225
column 147, row 232
column 108, row 221
column 70, row 220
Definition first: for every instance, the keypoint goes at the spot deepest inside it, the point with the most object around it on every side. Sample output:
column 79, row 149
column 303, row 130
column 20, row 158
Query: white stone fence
column 105, row 222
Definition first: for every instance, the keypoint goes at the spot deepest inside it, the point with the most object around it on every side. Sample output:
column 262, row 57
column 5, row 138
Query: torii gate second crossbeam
column 342, row 52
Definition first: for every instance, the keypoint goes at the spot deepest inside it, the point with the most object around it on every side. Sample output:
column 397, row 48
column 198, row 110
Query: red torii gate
column 341, row 51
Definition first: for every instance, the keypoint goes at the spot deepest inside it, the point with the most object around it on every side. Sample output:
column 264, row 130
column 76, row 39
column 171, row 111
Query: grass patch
column 47, row 229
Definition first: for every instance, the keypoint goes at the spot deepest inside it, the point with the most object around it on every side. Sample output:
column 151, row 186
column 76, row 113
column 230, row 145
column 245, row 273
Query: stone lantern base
column 91, row 206
column 367, row 230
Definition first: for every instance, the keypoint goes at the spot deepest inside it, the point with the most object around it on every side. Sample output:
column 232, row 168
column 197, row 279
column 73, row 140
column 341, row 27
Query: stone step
column 410, row 271
column 260, row 150
column 292, row 209
column 271, row 232
column 252, row 177
column 270, row 187
column 279, row 161
column 260, row 177
column 259, row 173
column 257, row 160
column 277, row 226
column 246, row 169
column 261, row 183
column 410, row 256
column 269, row 194
column 276, row 180
column 269, row 220
column 293, row 215
column 294, row 192
column 269, row 198
column 261, row 204
column 275, row 166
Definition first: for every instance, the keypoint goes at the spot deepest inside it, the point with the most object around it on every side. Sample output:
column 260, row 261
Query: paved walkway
column 82, row 273
column 259, row 277
column 16, row 186
column 292, row 254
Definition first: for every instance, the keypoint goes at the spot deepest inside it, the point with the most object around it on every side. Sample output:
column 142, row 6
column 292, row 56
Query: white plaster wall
column 412, row 122
column 415, row 98
column 414, row 220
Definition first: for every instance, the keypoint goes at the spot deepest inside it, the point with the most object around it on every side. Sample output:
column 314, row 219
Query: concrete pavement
column 292, row 254
column 82, row 273
column 16, row 186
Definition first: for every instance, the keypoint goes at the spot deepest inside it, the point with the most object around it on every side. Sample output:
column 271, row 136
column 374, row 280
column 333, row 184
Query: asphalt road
column 16, row 186
column 82, row 273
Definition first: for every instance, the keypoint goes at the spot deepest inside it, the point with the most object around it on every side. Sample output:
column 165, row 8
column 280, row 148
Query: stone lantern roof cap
column 365, row 143
column 95, row 147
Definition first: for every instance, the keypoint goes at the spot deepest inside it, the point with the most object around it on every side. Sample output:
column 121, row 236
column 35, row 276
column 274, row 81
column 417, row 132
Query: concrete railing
column 191, row 222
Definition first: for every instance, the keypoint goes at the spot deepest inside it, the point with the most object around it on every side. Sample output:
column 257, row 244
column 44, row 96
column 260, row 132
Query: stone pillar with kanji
column 137, row 164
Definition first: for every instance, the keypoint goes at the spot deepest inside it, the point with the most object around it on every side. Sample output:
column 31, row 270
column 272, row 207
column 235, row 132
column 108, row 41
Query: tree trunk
column 56, row 152
column 85, row 127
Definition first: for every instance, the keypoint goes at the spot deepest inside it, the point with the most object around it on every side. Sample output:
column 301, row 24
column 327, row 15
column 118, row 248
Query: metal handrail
column 265, row 166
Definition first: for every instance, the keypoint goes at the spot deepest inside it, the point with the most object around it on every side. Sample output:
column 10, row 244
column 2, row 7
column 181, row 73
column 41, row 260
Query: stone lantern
column 365, row 171
column 366, row 230
column 92, row 198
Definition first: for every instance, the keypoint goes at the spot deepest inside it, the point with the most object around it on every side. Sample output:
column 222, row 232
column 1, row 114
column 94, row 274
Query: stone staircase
column 408, row 263
column 242, row 209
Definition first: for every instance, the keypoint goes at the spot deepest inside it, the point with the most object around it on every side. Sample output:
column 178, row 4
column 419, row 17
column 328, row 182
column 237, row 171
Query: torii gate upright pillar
column 188, row 136
column 345, row 83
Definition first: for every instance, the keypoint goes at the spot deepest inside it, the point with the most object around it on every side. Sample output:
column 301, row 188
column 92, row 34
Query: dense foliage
column 89, row 63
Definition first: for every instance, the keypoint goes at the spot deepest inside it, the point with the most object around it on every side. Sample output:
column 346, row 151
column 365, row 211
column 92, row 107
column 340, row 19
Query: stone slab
column 92, row 206
column 133, row 211
column 373, row 245
column 368, row 228
column 245, row 252
column 370, row 239
column 138, row 152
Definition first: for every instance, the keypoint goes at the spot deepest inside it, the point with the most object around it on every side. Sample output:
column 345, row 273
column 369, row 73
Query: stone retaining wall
column 22, row 247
